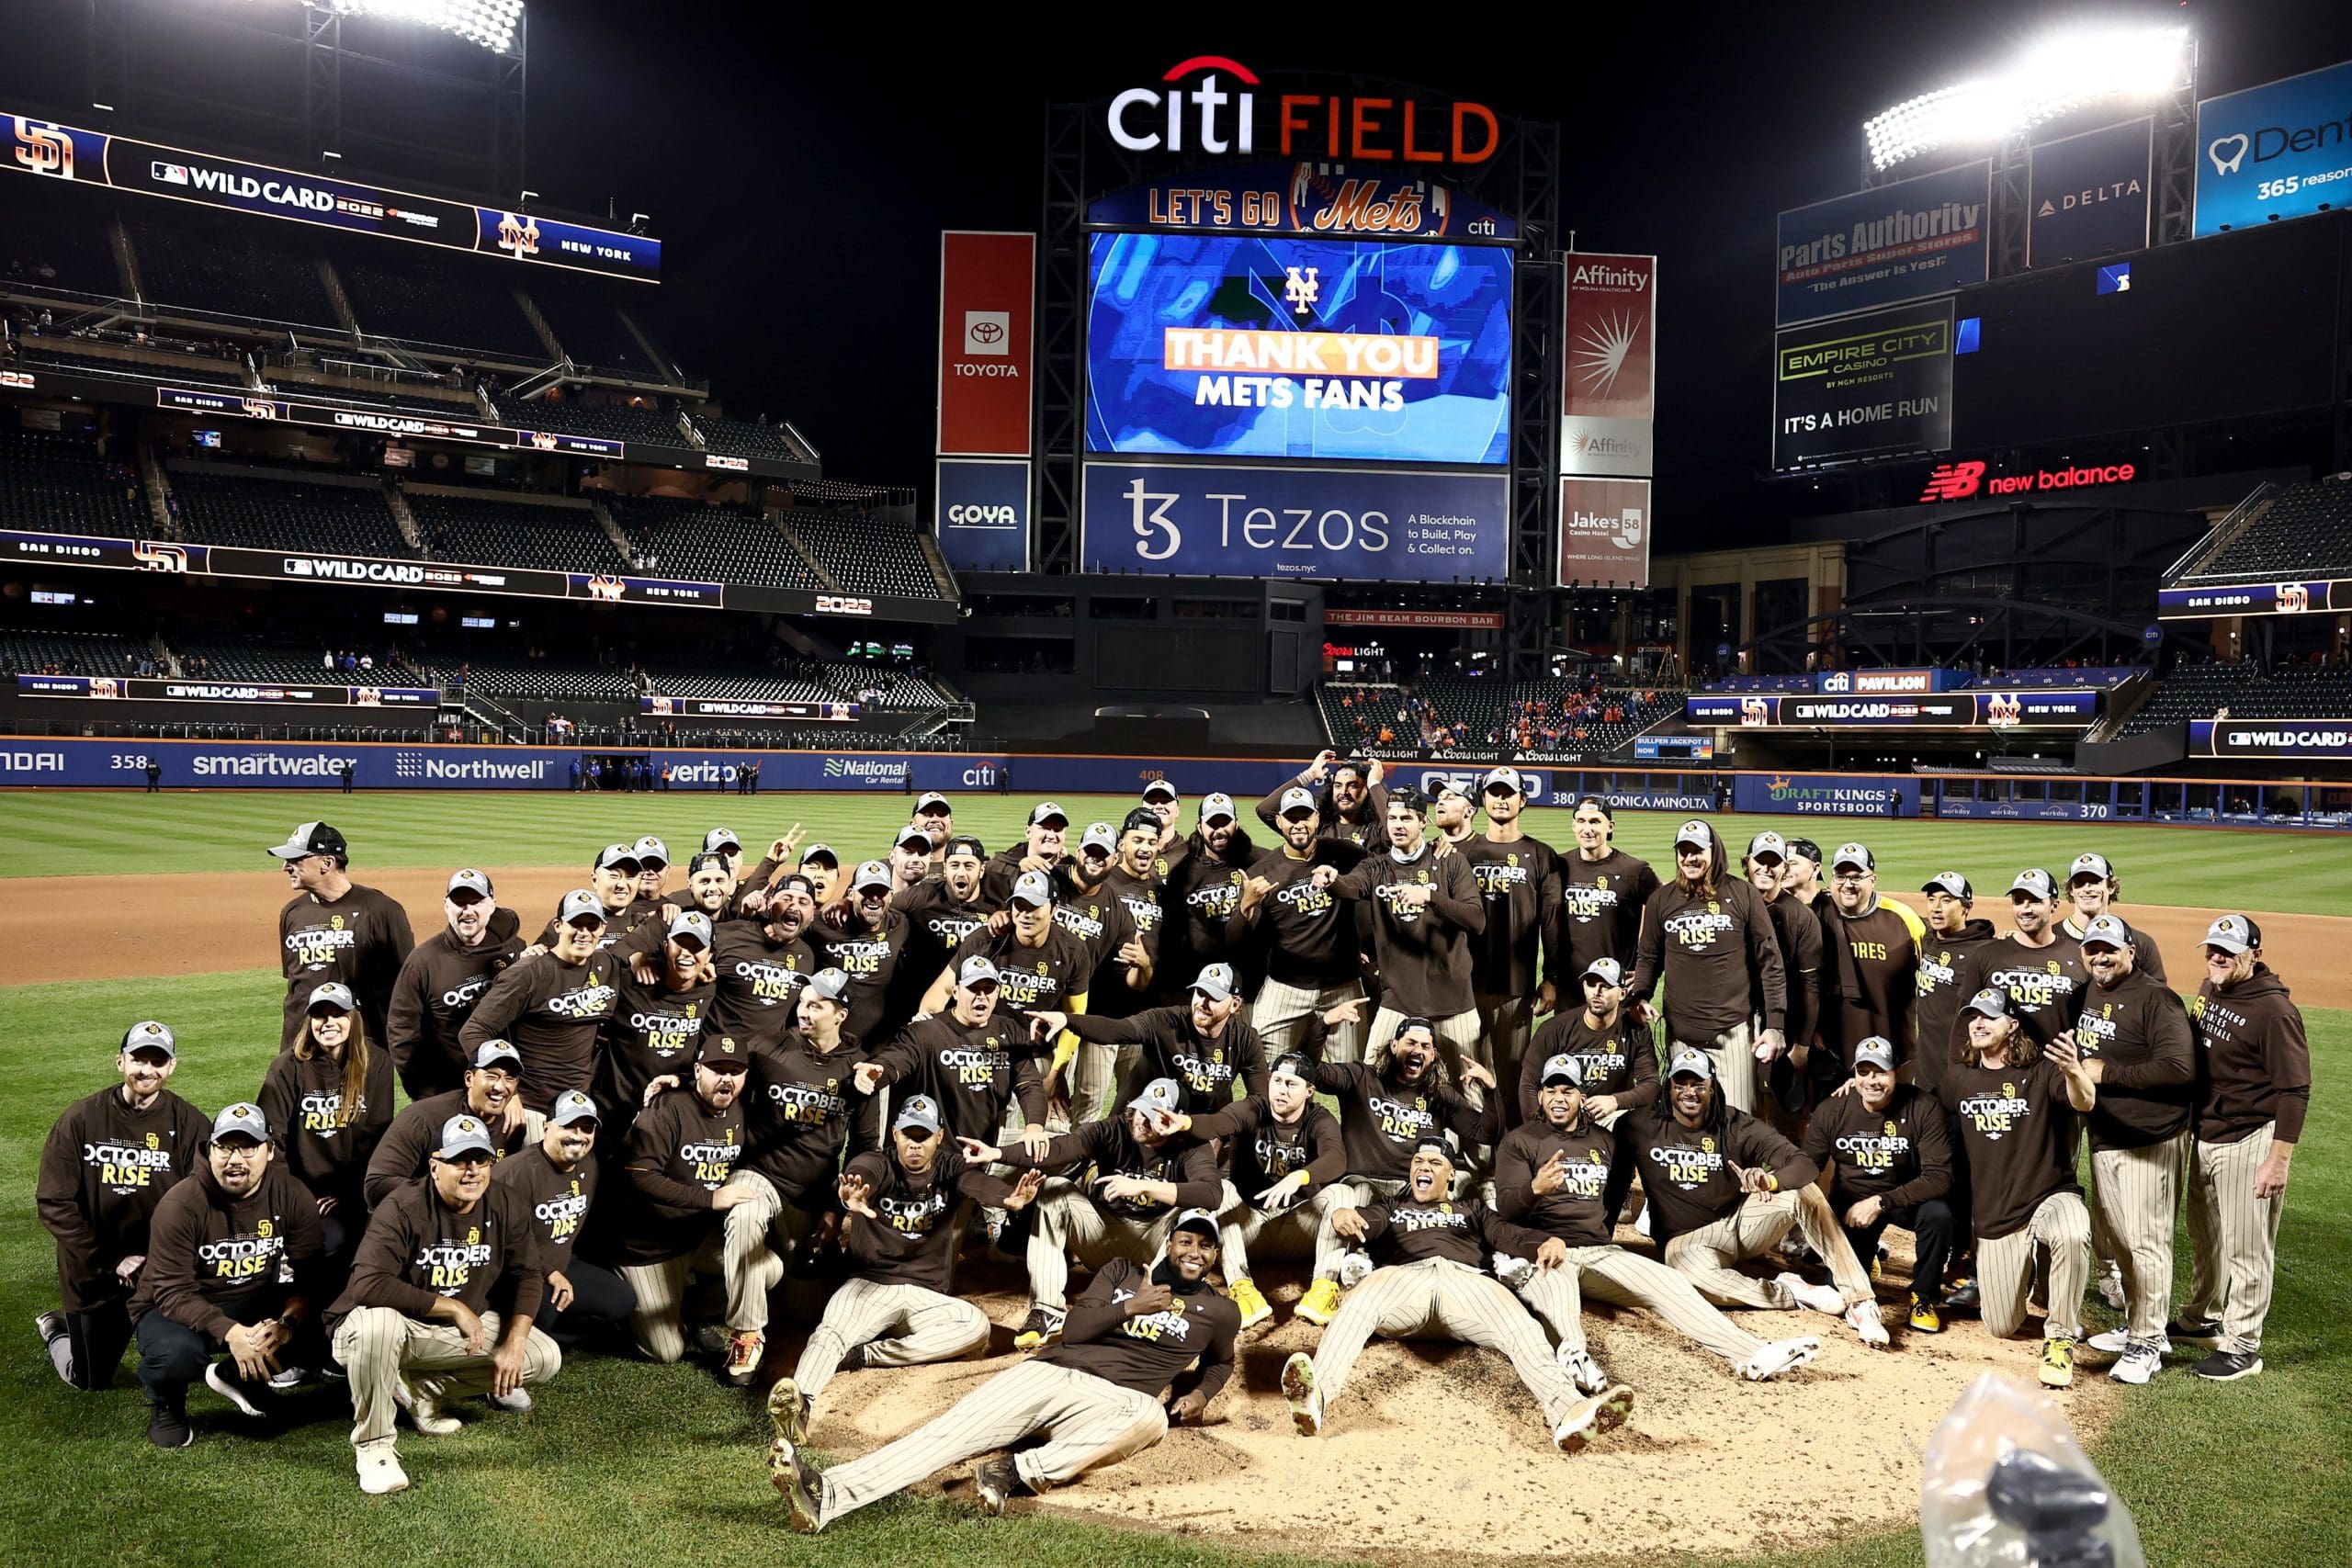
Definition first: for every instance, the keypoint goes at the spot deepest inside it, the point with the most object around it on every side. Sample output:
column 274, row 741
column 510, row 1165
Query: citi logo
column 1207, row 99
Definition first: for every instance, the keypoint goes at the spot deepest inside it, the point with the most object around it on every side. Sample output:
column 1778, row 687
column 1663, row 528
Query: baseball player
column 329, row 1103
column 1297, row 935
column 1451, row 811
column 937, row 814
column 1430, row 1283
column 1603, row 888
column 1425, row 912
column 1136, row 1172
column 551, row 1006
column 822, row 867
column 753, row 886
column 234, row 1253
column 710, row 887
column 657, row 1020
column 1037, row 963
column 941, row 912
column 1095, row 1395
column 1885, row 1153
column 1616, row 1064
column 492, row 1091
column 1201, row 888
column 1708, row 938
column 2093, row 889
column 1554, row 1175
column 1870, row 963
column 2036, row 967
column 106, row 1164
column 2016, row 1101
column 612, row 881
column 440, row 981
column 2254, row 1088
column 677, row 1217
column 865, row 942
column 557, row 1179
column 1122, row 984
column 1354, row 806
column 1040, row 851
column 1953, row 934
column 1519, row 882
column 653, row 869
column 1797, row 932
column 910, row 855
column 1723, row 1187
column 975, row 1065
column 760, row 965
column 1160, row 798
column 1802, row 877
column 905, row 1207
column 418, row 1311
column 1284, row 1160
column 1204, row 1046
column 1084, row 905
column 333, row 929
column 2134, row 1039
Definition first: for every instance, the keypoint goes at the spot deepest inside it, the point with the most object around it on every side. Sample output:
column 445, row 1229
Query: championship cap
column 872, row 874
column 1216, row 806
column 1448, row 785
column 498, row 1054
column 312, row 839
column 830, row 984
column 1694, row 832
column 1159, row 1094
column 1768, row 842
column 2091, row 865
column 1045, row 811
column 150, row 1036
column 1693, row 1061
column 791, row 879
column 977, row 971
column 1200, row 1222
column 1878, row 1051
column 614, row 856
column 1505, row 778
column 579, row 901
column 1360, row 766
column 967, row 844
column 1099, row 836
column 334, row 994
column 693, row 923
column 920, row 1111
column 913, row 833
column 1411, row 799
column 1216, row 982
column 823, row 852
column 724, row 1054
column 472, row 882
column 2035, row 882
column 1853, row 854
column 1563, row 1068
column 1143, row 818
column 2107, row 929
column 1436, row 1144
column 1607, row 970
column 931, row 800
column 1992, row 1001
column 1292, row 1061
column 242, row 1120
column 1031, row 888
column 1297, row 799
column 572, row 1108
column 1411, row 1024
column 650, row 849
column 1805, row 849
column 694, row 863
column 2231, row 934
column 720, row 839
column 1159, row 789
column 465, row 1135
column 1950, row 882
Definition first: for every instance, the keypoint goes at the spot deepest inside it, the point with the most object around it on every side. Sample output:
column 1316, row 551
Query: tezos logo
column 1157, row 523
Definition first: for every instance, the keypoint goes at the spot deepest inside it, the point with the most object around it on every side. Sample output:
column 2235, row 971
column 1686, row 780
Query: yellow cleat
column 1927, row 1316
column 2057, row 1363
column 1255, row 1308
column 1321, row 1303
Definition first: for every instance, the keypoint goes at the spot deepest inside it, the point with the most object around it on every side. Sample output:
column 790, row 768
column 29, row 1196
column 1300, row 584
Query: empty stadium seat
column 2305, row 530
column 55, row 236
column 59, row 484
column 272, row 513
column 710, row 544
column 459, row 302
column 582, row 317
column 749, row 438
column 866, row 555
column 68, row 652
column 611, row 421
column 2200, row 690
column 230, row 264
column 512, row 533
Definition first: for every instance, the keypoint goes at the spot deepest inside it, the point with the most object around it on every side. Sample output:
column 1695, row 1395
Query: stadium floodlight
column 2057, row 77
column 489, row 23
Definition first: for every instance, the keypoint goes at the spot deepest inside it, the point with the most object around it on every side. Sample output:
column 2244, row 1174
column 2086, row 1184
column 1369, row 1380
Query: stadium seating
column 59, row 484
column 1581, row 718
column 57, row 352
column 709, row 544
column 2305, row 530
column 436, row 303
column 230, row 264
column 750, row 438
column 69, row 652
column 510, row 533
column 54, row 237
column 611, row 421
column 218, row 508
column 2200, row 690
column 582, row 317
column 866, row 555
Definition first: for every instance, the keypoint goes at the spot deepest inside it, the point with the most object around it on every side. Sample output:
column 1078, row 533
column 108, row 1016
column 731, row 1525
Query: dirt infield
column 69, row 928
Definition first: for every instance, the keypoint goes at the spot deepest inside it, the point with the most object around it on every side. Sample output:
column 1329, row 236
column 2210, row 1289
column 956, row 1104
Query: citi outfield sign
column 1219, row 114
column 1957, row 482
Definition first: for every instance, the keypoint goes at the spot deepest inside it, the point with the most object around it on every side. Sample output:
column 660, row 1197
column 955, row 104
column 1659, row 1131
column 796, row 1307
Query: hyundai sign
column 2282, row 150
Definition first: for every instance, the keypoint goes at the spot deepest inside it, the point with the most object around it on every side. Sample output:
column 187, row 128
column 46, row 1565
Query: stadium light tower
column 2058, row 76
column 489, row 23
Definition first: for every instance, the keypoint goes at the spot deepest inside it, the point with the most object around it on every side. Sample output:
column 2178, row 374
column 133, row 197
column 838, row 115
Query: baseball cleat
column 2110, row 1287
column 2228, row 1366
column 1927, row 1316
column 796, row 1485
column 1355, row 1268
column 1780, row 1356
column 1041, row 1326
column 1964, row 1296
column 744, row 1353
column 1864, row 1319
column 224, row 1378
column 1321, row 1303
column 1820, row 1298
column 2057, row 1363
column 2138, row 1364
column 50, row 1326
column 379, row 1469
column 1306, row 1399
column 788, row 1408
column 519, row 1403
column 58, row 1343
column 1604, row 1412
column 1255, row 1308
column 2116, row 1341
column 167, row 1426
column 998, row 1482
column 2205, row 1333
column 1582, row 1369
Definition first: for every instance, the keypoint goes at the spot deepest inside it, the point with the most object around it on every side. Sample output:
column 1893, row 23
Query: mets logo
column 518, row 237
column 605, row 585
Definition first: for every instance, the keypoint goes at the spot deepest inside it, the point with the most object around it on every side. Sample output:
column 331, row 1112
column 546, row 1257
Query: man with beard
column 910, row 855
column 1203, row 889
column 1040, row 851
column 1710, row 940
column 1802, row 879
column 1616, row 1066
column 1887, row 1154
column 1430, row 1282
column 1298, row 935
column 2036, row 967
column 1202, row 1047
column 1425, row 912
column 1084, row 906
column 551, row 1006
column 657, row 1023
column 863, row 940
column 1039, row 963
column 1451, row 811
column 2093, row 889
column 937, row 814
column 492, row 1093
column 441, row 981
column 974, row 1064
column 1519, row 882
column 333, row 929
column 1603, row 890
column 1122, row 984
column 1870, row 954
column 941, row 912
column 761, row 967
column 557, row 1179
column 1354, row 806
column 1284, row 1160
column 710, row 887
column 1797, row 932
column 1953, row 934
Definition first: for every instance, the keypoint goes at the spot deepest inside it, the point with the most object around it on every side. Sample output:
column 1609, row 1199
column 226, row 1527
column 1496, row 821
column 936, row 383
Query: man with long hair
column 1707, row 937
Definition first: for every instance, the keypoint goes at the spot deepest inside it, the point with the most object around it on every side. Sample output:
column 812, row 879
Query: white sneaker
column 519, row 1402
column 2116, row 1341
column 1306, row 1399
column 1820, row 1298
column 2110, row 1287
column 1863, row 1318
column 1642, row 1222
column 1780, row 1356
column 1355, row 1268
column 425, row 1414
column 379, row 1469
column 1582, row 1369
column 1604, row 1412
column 1512, row 1271
column 2138, row 1364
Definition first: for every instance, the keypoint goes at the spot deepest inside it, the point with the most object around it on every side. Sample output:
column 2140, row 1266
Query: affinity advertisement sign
column 1329, row 525
column 1905, row 240
column 1610, row 400
column 2088, row 195
column 2286, row 737
column 986, row 285
column 1605, row 532
column 146, row 689
column 1336, row 200
column 1863, row 384
column 1247, row 346
column 982, row 524
column 2282, row 150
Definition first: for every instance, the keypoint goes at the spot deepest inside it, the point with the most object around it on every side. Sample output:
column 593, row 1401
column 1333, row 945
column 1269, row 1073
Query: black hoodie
column 1717, row 954
column 1938, row 1008
column 2254, row 1065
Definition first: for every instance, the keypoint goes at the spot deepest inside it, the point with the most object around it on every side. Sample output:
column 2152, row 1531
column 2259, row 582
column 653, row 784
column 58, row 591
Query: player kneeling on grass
column 1884, row 1148
column 232, row 1255
column 415, row 1325
column 1095, row 1395
column 905, row 1210
column 1552, row 1175
column 557, row 1181
column 1724, row 1188
column 2017, row 1103
column 1430, row 1283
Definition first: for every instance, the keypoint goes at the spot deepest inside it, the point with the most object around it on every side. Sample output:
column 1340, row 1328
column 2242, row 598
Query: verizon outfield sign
column 986, row 284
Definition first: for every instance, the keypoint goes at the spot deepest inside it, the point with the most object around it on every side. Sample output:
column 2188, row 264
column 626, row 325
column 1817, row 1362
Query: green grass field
column 625, row 1462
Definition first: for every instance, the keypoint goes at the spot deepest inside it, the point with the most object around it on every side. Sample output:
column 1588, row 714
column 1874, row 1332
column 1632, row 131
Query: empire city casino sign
column 1218, row 115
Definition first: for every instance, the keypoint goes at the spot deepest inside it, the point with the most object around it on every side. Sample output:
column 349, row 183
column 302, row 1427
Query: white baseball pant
column 737, row 1250
column 2062, row 1225
column 1706, row 1255
column 2135, row 1194
column 377, row 1345
column 923, row 1326
column 1355, row 1192
column 1299, row 1231
column 1627, row 1279
column 1439, row 1299
column 1070, row 1220
column 1280, row 1011
column 1734, row 1053
column 2233, row 1238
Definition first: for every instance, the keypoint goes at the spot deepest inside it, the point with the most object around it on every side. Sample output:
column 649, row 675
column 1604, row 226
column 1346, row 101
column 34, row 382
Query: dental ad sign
column 2282, row 150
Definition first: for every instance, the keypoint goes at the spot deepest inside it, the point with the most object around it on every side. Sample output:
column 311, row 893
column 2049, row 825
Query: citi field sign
column 1215, row 106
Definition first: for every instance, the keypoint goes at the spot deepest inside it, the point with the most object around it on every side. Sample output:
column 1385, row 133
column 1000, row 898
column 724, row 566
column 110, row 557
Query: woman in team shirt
column 329, row 1101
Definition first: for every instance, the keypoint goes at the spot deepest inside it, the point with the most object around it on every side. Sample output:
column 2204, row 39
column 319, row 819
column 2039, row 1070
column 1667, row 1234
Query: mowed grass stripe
column 100, row 833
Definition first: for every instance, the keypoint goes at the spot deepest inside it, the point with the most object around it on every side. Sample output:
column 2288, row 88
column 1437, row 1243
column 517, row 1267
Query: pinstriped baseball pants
column 738, row 1250
column 1627, row 1279
column 1070, row 1220
column 1301, row 1230
column 1439, row 1299
column 1088, row 1422
column 2005, row 1269
column 1280, row 1011
column 924, row 1327
column 376, row 1345
column 1734, row 1053
column 2233, row 1238
column 2135, row 1193
column 1707, row 1254
column 1355, row 1192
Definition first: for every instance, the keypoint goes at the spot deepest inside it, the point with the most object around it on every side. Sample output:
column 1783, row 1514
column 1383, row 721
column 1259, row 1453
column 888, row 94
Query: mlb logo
column 988, row 332
column 170, row 173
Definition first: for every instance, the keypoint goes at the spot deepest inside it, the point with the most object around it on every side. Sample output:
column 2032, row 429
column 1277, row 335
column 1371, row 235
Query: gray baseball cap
column 1159, row 789
column 1506, row 777
column 919, row 1110
column 930, row 800
column 614, row 856
column 243, row 1120
column 718, row 838
column 1690, row 1059
column 1297, row 799
column 1853, row 854
column 2108, row 932
column 150, row 1036
column 1031, row 888
column 1215, row 981
column 1562, row 1068
column 1950, row 882
column 578, row 902
column 1099, row 836
column 977, row 971
column 1694, row 832
column 913, row 833
column 823, row 852
column 2092, row 865
column 2034, row 882
column 334, row 994
column 573, row 1107
column 1992, row 1001
column 471, row 881
column 464, row 1135
column 1608, row 971
column 650, row 849
column 498, row 1054
column 1768, row 842
column 1047, row 811
column 1159, row 1094
column 1200, row 1222
column 1215, row 807
column 830, row 984
column 872, row 874
column 1449, row 785
column 1878, row 1051
column 692, row 924
column 2230, row 933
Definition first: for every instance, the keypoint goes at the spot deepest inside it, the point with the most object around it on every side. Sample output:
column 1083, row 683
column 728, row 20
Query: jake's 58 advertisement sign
column 1605, row 532
column 1879, row 382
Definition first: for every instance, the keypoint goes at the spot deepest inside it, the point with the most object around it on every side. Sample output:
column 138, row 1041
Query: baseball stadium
column 1387, row 908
